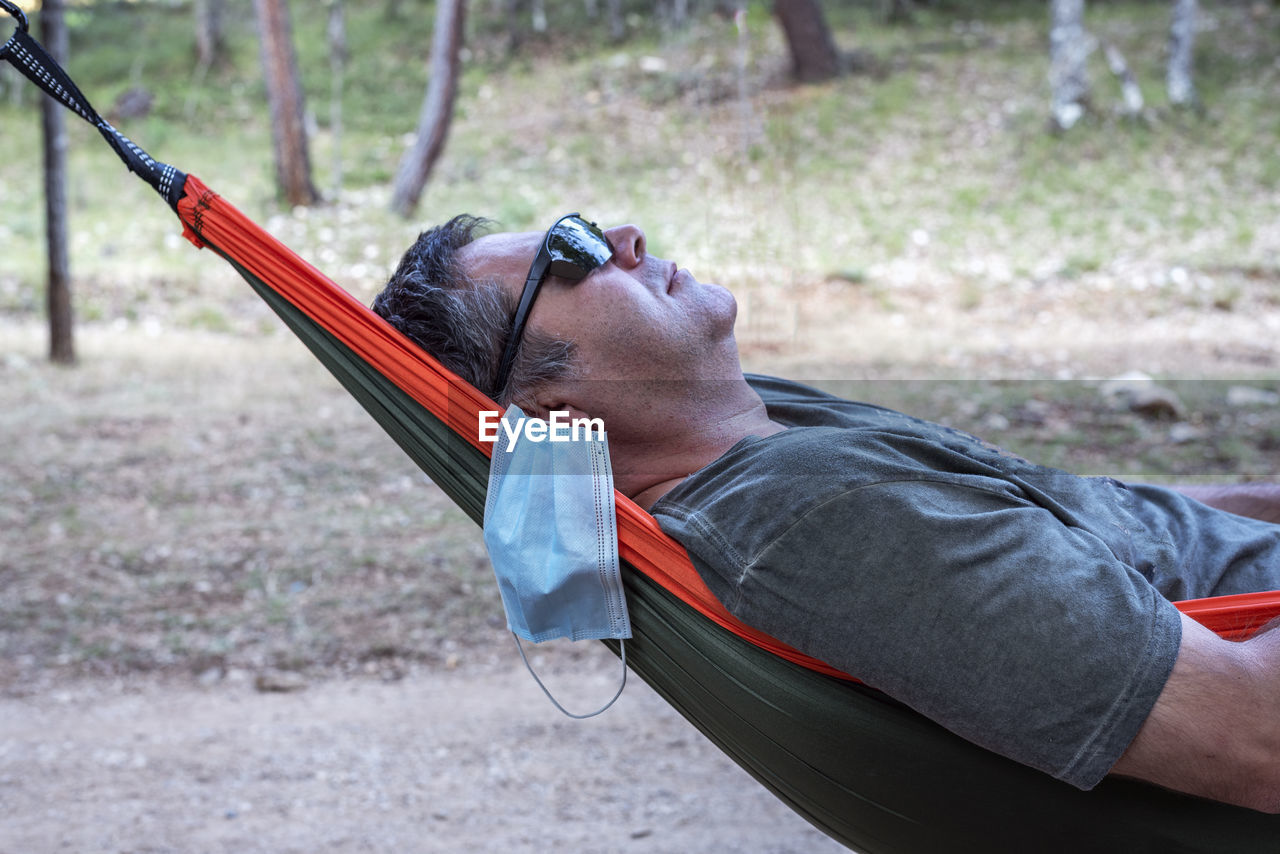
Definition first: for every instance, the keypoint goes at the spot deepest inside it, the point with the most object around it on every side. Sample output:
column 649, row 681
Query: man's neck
column 646, row 470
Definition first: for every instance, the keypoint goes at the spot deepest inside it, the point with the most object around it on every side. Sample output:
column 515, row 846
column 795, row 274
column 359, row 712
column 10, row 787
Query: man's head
column 634, row 324
column 636, row 342
column 465, row 321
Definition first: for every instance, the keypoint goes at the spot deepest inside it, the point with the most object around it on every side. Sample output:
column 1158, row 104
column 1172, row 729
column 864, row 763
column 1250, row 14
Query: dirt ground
column 439, row 762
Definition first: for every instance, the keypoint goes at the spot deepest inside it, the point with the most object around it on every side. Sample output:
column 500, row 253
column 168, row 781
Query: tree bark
column 1069, row 49
column 210, row 42
column 1132, row 93
column 901, row 12
column 61, row 326
column 813, row 52
column 512, row 11
column 1179, row 80
column 617, row 24
column 284, row 97
column 337, row 33
column 679, row 13
column 437, row 108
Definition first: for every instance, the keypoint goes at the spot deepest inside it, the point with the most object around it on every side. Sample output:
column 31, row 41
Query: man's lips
column 672, row 277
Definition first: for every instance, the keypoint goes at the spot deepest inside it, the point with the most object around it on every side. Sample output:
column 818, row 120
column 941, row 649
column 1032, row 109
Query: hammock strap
column 27, row 55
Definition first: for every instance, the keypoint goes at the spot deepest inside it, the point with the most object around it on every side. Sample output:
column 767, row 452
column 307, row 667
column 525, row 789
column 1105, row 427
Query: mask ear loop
column 555, row 702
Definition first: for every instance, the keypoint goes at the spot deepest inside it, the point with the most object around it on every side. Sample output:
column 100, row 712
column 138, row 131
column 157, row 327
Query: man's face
column 636, row 319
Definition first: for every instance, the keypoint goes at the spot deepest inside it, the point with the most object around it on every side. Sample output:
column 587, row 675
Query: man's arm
column 1215, row 729
column 1255, row 500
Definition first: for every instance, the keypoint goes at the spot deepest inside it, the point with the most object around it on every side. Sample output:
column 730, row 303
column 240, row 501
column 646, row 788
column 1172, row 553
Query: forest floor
column 473, row 759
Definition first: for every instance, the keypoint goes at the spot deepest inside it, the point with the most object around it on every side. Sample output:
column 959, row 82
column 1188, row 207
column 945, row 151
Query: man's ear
column 548, row 401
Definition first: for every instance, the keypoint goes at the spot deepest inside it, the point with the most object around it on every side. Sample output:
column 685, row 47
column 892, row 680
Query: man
column 1024, row 608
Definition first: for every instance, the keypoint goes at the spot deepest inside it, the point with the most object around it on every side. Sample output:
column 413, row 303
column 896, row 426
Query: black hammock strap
column 28, row 56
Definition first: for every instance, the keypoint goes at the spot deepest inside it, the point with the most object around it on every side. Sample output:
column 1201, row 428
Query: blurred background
column 1053, row 224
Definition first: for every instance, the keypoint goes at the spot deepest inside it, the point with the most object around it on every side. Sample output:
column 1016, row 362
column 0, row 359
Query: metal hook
column 16, row 11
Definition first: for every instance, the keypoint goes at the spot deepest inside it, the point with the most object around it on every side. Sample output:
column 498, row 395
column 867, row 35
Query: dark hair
column 463, row 322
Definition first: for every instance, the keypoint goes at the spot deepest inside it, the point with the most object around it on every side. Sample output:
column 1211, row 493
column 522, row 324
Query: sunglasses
column 571, row 249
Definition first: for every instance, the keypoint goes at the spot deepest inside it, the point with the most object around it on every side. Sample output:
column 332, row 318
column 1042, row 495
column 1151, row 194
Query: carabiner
column 15, row 11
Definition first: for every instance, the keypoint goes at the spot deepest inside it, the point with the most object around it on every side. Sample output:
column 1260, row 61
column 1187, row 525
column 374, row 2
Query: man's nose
column 628, row 245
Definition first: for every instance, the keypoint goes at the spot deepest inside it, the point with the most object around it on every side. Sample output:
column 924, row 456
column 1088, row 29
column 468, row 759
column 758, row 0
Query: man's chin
column 730, row 307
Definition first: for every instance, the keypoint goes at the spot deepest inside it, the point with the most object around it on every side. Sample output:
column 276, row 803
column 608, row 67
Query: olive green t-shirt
column 1024, row 608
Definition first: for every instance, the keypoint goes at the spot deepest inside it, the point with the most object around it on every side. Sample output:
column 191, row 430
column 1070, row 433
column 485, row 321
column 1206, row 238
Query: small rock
column 995, row 423
column 1243, row 395
column 211, row 676
column 1140, row 394
column 1034, row 411
column 1182, row 433
column 133, row 103
column 1157, row 402
column 279, row 681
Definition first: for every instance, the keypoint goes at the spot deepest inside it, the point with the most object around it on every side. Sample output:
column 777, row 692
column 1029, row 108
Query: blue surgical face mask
column 550, row 529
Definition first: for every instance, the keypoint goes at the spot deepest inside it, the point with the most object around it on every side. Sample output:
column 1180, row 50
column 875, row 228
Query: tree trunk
column 1182, row 37
column 813, row 52
column 337, row 32
column 673, row 14
column 900, row 12
column 617, row 24
column 61, row 335
column 512, row 12
column 284, row 97
column 746, row 116
column 437, row 108
column 210, row 42
column 679, row 13
column 1069, row 49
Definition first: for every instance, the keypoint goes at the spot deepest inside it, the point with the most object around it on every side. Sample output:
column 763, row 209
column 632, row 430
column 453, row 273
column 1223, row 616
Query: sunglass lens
column 577, row 247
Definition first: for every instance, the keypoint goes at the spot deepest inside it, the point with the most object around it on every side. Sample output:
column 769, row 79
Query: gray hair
column 463, row 322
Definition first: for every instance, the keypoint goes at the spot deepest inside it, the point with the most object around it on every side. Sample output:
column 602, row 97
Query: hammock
column 865, row 769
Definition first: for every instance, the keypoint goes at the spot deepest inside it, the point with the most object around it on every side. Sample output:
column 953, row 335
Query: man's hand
column 1215, row 729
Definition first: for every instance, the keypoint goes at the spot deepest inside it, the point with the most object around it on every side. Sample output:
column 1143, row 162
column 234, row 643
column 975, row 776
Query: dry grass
column 202, row 502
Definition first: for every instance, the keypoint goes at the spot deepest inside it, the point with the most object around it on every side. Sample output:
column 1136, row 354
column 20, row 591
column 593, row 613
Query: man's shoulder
column 778, row 388
column 804, row 464
column 845, row 476
column 837, row 404
column 798, row 404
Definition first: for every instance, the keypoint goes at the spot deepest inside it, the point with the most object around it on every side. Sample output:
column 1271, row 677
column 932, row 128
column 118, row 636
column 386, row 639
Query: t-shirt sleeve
column 978, row 608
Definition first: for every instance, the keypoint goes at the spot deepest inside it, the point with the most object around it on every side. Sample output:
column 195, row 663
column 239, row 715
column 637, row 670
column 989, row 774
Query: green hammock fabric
column 866, row 770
